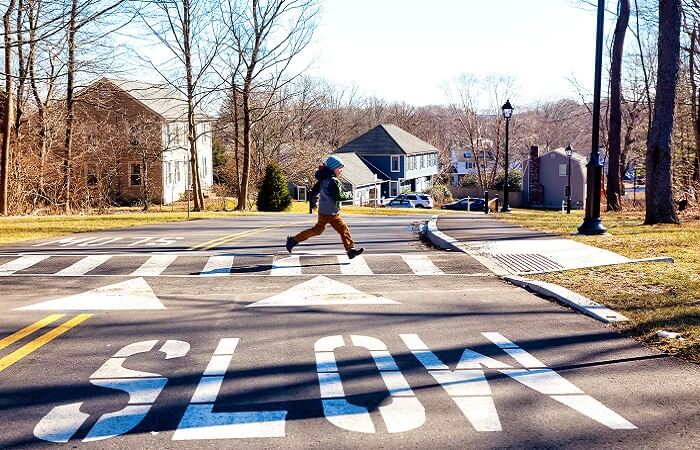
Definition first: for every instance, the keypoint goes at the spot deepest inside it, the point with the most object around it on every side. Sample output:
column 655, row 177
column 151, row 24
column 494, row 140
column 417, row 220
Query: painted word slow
column 128, row 241
column 466, row 385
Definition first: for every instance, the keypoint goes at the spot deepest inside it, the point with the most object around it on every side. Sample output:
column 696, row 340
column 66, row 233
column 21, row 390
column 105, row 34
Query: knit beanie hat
column 333, row 162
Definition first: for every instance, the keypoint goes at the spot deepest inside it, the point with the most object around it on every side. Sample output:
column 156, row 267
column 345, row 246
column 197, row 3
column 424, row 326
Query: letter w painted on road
column 469, row 389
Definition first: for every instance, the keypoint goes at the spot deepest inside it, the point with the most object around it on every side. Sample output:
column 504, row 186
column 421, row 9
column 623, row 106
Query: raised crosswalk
column 155, row 265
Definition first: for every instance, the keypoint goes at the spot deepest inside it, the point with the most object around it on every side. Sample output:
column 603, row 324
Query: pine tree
column 273, row 194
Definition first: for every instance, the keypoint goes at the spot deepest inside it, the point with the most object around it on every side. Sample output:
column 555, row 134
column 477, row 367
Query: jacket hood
column 324, row 173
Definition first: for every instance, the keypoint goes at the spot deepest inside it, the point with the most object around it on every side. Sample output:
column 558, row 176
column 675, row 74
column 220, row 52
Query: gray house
column 356, row 178
column 545, row 178
column 402, row 161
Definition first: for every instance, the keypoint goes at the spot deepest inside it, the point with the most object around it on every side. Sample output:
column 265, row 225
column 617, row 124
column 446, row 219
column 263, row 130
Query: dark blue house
column 401, row 161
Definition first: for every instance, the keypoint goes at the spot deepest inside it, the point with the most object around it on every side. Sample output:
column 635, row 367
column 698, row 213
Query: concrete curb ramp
column 521, row 256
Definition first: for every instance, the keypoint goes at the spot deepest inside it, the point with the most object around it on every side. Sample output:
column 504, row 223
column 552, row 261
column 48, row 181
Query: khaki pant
column 336, row 222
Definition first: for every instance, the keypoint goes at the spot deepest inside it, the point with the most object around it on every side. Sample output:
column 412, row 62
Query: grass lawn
column 655, row 296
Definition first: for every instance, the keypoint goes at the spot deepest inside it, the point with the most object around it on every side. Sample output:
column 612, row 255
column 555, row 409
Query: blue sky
column 406, row 50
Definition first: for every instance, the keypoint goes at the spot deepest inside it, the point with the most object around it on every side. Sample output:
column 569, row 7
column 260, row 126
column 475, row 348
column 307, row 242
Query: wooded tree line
column 240, row 54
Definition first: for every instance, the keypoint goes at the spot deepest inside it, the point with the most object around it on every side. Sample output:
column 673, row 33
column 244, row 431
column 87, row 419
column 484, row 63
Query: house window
column 394, row 163
column 172, row 134
column 393, row 188
column 135, row 175
column 562, row 170
column 169, row 173
column 471, row 165
column 177, row 172
column 422, row 161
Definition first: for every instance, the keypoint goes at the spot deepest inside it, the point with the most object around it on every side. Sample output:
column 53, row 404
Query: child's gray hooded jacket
column 327, row 192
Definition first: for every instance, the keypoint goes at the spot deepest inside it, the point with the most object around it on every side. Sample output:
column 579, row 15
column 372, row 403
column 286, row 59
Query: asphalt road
column 207, row 334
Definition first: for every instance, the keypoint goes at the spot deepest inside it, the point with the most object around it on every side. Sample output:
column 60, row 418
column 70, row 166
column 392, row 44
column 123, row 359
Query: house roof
column 356, row 171
column 575, row 156
column 387, row 139
column 163, row 100
column 457, row 155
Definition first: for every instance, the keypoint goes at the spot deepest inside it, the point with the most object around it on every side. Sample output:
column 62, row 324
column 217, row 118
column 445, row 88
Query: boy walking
column 329, row 192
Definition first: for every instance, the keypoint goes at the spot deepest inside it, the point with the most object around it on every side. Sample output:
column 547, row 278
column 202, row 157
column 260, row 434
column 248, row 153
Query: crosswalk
column 158, row 265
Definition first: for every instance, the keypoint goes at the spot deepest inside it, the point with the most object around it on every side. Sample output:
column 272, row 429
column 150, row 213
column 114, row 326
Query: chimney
column 535, row 188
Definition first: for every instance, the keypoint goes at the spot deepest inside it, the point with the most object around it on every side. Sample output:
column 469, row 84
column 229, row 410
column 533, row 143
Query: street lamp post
column 592, row 223
column 569, row 151
column 507, row 112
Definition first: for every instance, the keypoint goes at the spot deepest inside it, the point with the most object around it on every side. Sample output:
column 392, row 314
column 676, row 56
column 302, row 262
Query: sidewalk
column 513, row 250
column 510, row 251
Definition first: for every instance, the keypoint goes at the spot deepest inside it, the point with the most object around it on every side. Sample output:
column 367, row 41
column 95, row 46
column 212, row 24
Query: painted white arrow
column 322, row 291
column 130, row 294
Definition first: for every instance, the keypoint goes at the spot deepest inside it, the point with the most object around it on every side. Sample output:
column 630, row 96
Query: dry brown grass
column 655, row 296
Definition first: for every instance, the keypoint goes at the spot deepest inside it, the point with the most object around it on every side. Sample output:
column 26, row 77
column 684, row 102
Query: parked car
column 398, row 203
column 419, row 200
column 475, row 204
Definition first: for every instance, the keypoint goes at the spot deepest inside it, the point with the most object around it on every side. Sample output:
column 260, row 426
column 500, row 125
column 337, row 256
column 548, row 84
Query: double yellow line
column 232, row 237
column 37, row 343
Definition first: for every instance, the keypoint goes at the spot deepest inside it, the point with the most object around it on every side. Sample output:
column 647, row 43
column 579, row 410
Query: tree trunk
column 41, row 107
column 695, row 108
column 660, row 207
column 68, row 143
column 191, row 125
column 7, row 122
column 613, row 192
column 245, row 175
column 237, row 133
column 145, row 184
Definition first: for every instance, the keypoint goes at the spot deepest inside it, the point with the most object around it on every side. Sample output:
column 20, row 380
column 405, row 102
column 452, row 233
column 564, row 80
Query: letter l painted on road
column 200, row 422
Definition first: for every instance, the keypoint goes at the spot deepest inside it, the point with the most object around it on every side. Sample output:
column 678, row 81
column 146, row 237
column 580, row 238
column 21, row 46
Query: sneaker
column 290, row 243
column 355, row 252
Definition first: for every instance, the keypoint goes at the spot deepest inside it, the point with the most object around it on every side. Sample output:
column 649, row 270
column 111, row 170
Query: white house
column 132, row 102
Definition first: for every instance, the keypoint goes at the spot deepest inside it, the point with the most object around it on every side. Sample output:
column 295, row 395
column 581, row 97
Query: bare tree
column 189, row 30
column 9, row 110
column 480, row 128
column 266, row 35
column 614, row 182
column 83, row 13
column 660, row 207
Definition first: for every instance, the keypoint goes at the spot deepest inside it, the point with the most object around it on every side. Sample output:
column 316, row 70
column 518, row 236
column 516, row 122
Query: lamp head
column 507, row 109
column 569, row 150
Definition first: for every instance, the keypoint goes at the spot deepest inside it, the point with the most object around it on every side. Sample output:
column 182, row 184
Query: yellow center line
column 26, row 331
column 232, row 237
column 37, row 343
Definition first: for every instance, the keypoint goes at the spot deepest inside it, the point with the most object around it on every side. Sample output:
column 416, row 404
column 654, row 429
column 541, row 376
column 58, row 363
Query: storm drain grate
column 526, row 262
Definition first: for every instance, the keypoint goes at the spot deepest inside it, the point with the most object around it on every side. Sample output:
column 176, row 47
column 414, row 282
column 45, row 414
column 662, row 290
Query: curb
column 561, row 294
column 446, row 242
column 577, row 301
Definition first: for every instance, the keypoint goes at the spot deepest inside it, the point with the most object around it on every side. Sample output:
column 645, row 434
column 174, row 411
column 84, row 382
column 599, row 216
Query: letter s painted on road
column 62, row 422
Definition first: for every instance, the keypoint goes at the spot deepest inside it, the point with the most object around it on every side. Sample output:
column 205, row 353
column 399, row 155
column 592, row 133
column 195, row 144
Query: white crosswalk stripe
column 235, row 265
column 84, row 266
column 421, row 265
column 355, row 266
column 155, row 265
column 288, row 266
column 218, row 265
column 21, row 263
